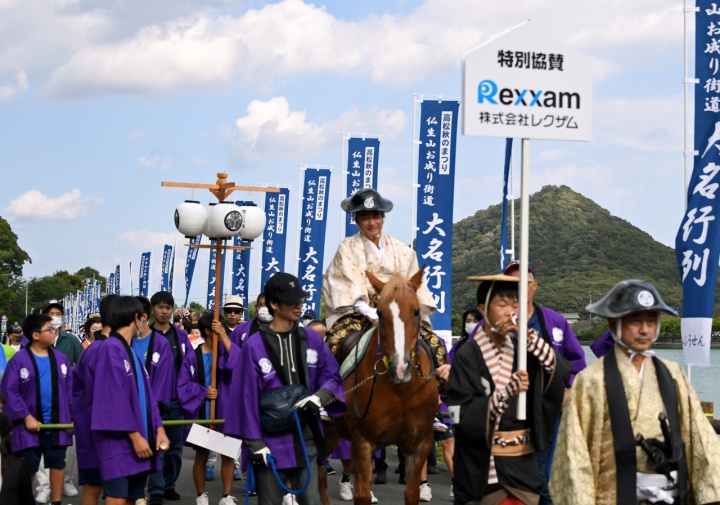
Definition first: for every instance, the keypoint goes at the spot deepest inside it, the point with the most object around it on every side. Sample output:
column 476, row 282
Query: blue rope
column 250, row 483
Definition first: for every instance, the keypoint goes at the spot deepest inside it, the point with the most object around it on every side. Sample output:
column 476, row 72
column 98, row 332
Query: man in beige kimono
column 349, row 298
column 633, row 430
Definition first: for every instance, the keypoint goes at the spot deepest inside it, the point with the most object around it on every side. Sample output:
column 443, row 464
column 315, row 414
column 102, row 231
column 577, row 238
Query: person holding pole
column 124, row 417
column 494, row 453
column 37, row 386
column 633, row 430
column 195, row 392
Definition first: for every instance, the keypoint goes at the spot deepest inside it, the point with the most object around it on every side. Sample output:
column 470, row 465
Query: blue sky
column 102, row 100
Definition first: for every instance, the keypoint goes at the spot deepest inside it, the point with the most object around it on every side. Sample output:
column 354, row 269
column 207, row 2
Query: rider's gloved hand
column 366, row 310
column 310, row 405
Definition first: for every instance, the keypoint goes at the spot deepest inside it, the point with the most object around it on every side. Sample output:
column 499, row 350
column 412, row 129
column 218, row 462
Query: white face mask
column 56, row 322
column 469, row 327
column 263, row 315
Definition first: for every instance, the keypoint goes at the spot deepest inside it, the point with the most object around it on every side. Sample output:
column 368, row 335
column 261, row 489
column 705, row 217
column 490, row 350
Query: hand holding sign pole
column 525, row 84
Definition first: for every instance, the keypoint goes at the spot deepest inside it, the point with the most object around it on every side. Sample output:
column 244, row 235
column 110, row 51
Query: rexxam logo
column 488, row 92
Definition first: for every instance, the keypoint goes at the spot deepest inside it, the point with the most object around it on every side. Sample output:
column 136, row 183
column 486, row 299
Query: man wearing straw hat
column 494, row 453
column 633, row 430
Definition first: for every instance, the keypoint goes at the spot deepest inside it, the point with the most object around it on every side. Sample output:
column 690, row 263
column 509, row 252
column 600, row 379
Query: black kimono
column 471, row 387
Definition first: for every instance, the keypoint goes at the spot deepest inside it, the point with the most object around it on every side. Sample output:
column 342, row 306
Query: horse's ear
column 416, row 280
column 375, row 282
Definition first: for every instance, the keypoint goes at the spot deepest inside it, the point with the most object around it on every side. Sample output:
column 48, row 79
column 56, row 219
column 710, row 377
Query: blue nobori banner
column 504, row 256
column 212, row 276
column 313, row 219
column 275, row 234
column 190, row 265
column 241, row 267
column 97, row 297
column 697, row 244
column 144, row 285
column 362, row 172
column 79, row 312
column 117, row 280
column 166, row 262
column 110, row 287
column 436, row 185
column 172, row 269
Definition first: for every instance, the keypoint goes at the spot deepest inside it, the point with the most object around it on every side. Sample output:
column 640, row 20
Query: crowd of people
column 628, row 429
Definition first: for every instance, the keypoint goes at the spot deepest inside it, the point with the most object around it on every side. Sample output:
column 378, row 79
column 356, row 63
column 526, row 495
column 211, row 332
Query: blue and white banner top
column 190, row 265
column 313, row 220
column 275, row 235
column 436, row 185
column 166, row 262
column 362, row 172
column 697, row 244
column 97, row 297
column 117, row 280
column 144, row 285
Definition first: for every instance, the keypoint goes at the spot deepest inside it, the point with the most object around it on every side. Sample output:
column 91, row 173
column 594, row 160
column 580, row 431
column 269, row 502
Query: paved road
column 388, row 494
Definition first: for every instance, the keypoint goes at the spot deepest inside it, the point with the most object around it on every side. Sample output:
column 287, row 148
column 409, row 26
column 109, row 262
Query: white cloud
column 135, row 47
column 154, row 161
column 146, row 240
column 66, row 207
column 272, row 128
column 10, row 91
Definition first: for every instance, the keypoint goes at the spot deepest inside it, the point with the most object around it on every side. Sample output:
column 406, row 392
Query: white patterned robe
column 345, row 282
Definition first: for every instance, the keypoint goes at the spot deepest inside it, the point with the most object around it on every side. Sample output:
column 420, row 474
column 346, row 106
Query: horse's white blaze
column 399, row 330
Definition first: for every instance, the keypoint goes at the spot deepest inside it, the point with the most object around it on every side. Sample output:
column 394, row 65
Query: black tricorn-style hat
column 366, row 199
column 628, row 296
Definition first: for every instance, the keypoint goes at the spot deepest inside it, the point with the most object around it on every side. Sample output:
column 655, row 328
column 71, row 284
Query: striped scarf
column 500, row 365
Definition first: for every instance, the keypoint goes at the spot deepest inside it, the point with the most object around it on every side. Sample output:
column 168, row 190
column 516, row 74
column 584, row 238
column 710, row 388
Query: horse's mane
column 395, row 284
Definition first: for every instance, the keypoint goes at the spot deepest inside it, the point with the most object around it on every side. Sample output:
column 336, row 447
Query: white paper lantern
column 224, row 220
column 253, row 223
column 190, row 218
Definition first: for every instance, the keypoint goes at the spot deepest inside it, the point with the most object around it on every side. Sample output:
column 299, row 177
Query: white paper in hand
column 214, row 441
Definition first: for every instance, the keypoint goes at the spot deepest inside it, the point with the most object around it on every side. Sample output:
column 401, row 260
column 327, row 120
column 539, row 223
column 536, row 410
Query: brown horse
column 398, row 406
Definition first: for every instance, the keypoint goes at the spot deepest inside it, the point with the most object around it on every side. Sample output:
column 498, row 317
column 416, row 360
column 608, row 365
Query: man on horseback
column 494, row 460
column 350, row 300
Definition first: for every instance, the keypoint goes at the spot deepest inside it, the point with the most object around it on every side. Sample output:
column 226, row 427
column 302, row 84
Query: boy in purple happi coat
column 250, row 327
column 195, row 393
column 156, row 355
column 37, row 385
column 125, row 420
column 280, row 354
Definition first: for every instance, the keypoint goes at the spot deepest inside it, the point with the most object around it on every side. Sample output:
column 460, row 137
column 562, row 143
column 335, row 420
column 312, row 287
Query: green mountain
column 577, row 248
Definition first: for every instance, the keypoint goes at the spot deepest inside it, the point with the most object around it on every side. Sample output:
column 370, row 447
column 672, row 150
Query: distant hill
column 578, row 249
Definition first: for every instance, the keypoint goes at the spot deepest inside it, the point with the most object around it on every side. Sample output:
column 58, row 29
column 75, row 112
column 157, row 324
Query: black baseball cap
column 285, row 288
column 15, row 328
column 48, row 304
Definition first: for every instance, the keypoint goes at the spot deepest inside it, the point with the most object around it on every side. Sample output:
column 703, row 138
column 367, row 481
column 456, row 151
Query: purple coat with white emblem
column 82, row 397
column 241, row 333
column 19, row 385
column 160, row 365
column 258, row 376
column 116, row 411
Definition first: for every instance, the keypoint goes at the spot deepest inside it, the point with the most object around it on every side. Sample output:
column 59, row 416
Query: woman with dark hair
column 92, row 326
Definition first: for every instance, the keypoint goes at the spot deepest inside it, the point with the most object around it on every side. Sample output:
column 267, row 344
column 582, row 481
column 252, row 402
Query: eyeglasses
column 51, row 330
column 233, row 311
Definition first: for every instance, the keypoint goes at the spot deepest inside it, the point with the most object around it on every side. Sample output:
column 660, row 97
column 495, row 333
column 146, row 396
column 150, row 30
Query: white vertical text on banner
column 436, row 181
column 97, row 297
column 190, row 265
column 144, row 284
column 697, row 244
column 316, row 188
column 212, row 276
column 241, row 267
column 117, row 280
column 362, row 172
column 166, row 261
column 274, row 235
column 79, row 311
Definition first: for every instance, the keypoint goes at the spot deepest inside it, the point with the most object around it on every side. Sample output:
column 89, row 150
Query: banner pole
column 301, row 185
column 512, row 207
column 413, row 194
column 343, row 182
column 523, row 295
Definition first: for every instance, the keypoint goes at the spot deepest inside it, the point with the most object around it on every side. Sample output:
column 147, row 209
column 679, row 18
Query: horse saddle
column 347, row 353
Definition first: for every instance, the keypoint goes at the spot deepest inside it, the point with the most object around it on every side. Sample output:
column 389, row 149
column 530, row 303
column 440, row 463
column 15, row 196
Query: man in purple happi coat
column 157, row 357
column 82, row 397
column 281, row 354
column 250, row 327
column 39, row 372
column 124, row 417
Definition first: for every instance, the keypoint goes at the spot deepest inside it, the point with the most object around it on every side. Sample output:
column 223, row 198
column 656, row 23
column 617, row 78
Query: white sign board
column 214, row 441
column 525, row 84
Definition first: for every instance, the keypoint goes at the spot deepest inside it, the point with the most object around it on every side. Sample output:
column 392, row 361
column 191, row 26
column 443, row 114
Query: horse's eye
column 417, row 312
